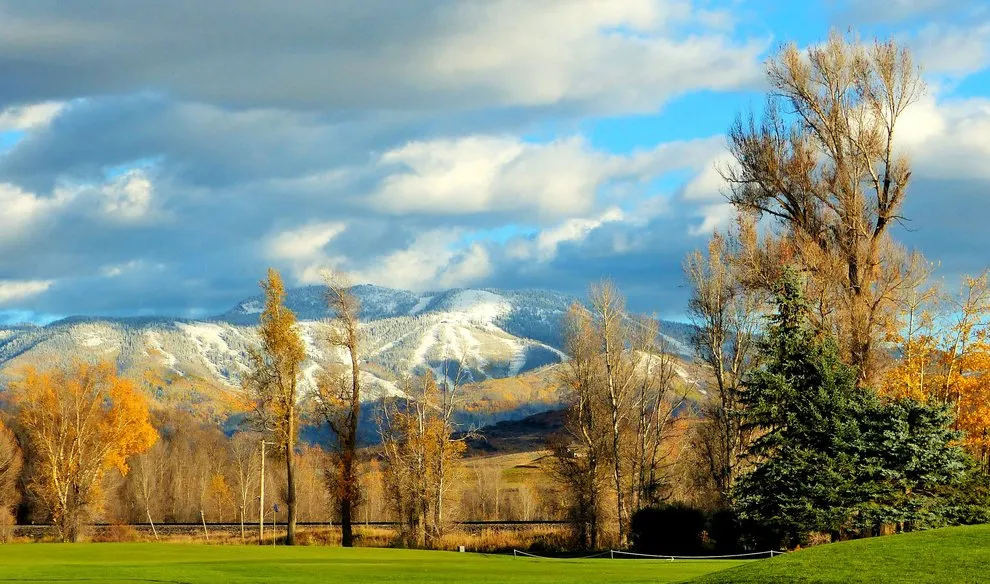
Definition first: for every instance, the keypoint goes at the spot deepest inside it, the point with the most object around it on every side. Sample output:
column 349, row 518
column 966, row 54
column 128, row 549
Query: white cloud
column 12, row 290
column 128, row 197
column 29, row 117
column 708, row 185
column 304, row 242
column 953, row 49
column 540, row 181
column 713, row 217
column 948, row 139
column 305, row 250
column 485, row 173
column 529, row 53
column 433, row 261
column 572, row 230
column 23, row 210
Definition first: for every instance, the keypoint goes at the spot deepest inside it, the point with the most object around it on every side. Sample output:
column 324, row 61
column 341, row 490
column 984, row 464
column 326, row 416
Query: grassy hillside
column 954, row 554
column 202, row 563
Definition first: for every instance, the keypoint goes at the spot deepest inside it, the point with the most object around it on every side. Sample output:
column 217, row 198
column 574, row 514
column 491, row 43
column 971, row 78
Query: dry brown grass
column 117, row 533
column 494, row 540
column 537, row 538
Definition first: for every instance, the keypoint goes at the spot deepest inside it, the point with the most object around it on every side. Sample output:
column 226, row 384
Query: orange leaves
column 945, row 357
column 126, row 423
column 80, row 422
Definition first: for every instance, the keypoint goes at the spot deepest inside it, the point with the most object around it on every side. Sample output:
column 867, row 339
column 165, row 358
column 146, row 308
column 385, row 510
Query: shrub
column 725, row 532
column 675, row 529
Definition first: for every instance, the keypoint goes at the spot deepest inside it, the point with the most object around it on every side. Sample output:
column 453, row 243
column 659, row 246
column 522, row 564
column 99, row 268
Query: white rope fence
column 612, row 554
column 519, row 553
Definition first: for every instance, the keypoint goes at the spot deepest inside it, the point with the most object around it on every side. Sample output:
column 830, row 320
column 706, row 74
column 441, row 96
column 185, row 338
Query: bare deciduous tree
column 655, row 402
column 339, row 398
column 727, row 317
column 619, row 381
column 581, row 456
column 822, row 162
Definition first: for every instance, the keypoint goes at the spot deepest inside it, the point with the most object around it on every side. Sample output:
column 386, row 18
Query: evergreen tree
column 830, row 456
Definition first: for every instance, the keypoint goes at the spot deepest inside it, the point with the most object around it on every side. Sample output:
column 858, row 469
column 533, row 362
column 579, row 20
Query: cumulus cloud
column 306, row 241
column 479, row 174
column 949, row 139
column 12, row 290
column 431, row 262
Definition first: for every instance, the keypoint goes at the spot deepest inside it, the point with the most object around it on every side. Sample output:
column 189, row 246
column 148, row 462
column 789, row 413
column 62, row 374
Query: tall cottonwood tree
column 274, row 382
column 726, row 315
column 79, row 422
column 822, row 162
column 339, row 398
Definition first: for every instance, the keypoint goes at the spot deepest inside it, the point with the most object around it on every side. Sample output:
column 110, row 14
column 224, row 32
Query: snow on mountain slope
column 475, row 335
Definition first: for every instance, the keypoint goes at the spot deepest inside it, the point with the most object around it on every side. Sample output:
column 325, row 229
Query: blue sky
column 155, row 158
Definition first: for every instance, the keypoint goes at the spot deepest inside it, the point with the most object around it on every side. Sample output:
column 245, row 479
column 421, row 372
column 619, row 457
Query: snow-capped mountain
column 476, row 334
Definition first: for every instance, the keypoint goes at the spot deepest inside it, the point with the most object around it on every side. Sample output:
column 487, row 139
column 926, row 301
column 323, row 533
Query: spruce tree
column 830, row 456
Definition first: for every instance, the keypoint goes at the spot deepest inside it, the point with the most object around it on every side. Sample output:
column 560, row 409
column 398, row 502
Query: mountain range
column 484, row 334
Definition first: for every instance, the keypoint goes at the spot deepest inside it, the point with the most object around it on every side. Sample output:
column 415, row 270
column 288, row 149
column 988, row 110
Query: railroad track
column 40, row 531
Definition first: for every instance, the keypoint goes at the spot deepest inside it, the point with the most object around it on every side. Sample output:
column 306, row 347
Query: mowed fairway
column 950, row 555
column 209, row 564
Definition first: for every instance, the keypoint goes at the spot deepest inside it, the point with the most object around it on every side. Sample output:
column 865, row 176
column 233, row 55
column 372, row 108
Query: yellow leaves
column 80, row 421
column 127, row 424
column 945, row 357
column 276, row 364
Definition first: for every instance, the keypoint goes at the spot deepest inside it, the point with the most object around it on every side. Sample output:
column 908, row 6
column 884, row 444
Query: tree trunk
column 346, row 499
column 349, row 494
column 290, row 537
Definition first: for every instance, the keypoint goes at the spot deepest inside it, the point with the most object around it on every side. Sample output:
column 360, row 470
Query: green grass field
column 194, row 563
column 954, row 554
column 957, row 555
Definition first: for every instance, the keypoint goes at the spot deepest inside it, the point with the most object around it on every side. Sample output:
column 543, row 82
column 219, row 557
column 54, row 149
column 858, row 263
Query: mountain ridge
column 483, row 334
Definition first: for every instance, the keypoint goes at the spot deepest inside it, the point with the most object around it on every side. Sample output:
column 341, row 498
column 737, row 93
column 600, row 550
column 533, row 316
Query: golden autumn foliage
column 274, row 381
column 419, row 453
column 80, row 422
column 945, row 357
column 10, row 469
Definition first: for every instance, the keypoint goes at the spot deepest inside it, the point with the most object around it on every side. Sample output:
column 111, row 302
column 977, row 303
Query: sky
column 157, row 157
